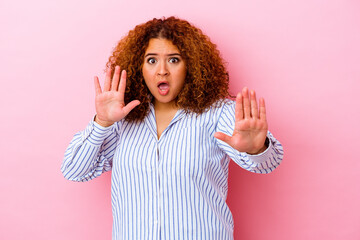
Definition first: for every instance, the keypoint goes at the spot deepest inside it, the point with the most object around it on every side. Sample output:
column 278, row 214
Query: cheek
column 148, row 83
column 146, row 75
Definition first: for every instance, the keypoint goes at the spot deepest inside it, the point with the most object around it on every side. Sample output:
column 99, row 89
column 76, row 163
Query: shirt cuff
column 261, row 157
column 95, row 133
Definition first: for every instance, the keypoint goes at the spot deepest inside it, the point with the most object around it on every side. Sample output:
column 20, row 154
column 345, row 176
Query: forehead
column 161, row 46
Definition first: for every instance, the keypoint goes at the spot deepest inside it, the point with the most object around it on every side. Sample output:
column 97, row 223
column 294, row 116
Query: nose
column 163, row 69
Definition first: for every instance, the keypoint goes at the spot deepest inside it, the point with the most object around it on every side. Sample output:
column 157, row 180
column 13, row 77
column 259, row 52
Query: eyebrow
column 171, row 54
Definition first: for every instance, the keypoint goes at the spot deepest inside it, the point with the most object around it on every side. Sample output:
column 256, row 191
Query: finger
column 239, row 112
column 254, row 106
column 223, row 137
column 115, row 80
column 97, row 86
column 246, row 102
column 107, row 80
column 262, row 109
column 130, row 106
column 122, row 85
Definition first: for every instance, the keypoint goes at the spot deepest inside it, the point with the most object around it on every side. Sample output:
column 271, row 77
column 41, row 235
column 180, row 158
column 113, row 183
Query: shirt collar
column 151, row 122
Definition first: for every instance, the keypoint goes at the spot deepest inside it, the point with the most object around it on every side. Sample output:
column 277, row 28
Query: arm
column 90, row 153
column 243, row 134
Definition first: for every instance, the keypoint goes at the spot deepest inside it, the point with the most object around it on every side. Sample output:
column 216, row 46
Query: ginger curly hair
column 206, row 82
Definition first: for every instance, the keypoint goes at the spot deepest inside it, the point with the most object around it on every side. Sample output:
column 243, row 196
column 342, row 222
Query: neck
column 159, row 106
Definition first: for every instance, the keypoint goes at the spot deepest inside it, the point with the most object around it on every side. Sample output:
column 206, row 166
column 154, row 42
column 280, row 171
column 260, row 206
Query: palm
column 250, row 125
column 110, row 105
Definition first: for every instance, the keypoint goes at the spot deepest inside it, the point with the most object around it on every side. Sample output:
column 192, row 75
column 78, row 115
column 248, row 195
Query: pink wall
column 302, row 56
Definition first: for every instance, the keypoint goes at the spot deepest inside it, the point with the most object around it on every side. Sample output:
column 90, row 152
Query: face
column 164, row 70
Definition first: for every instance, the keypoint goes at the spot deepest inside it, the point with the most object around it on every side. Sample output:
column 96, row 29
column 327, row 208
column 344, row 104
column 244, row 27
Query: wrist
column 102, row 123
column 262, row 149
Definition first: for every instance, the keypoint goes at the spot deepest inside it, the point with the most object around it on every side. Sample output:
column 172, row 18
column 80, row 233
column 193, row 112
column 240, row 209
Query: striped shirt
column 174, row 187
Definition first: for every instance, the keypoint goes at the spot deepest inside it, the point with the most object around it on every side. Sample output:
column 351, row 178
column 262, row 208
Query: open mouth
column 163, row 88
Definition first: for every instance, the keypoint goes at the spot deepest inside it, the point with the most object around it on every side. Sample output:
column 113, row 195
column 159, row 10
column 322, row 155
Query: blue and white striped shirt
column 174, row 187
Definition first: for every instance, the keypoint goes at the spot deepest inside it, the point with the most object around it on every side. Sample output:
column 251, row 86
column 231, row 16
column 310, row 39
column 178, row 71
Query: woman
column 166, row 129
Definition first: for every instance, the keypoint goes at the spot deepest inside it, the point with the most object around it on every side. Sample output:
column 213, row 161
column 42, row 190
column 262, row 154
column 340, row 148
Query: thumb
column 223, row 137
column 130, row 106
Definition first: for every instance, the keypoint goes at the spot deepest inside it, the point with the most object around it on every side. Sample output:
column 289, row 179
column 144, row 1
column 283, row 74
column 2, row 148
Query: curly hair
column 206, row 82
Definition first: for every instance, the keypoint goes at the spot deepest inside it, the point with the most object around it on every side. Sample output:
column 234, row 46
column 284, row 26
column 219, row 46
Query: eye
column 174, row 60
column 151, row 60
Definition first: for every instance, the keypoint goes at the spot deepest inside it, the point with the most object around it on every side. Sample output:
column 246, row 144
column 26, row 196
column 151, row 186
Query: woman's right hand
column 110, row 105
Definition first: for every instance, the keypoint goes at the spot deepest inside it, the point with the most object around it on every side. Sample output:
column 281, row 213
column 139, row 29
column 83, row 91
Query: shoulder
column 219, row 109
column 223, row 106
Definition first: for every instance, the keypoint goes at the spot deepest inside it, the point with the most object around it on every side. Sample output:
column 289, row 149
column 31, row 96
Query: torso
column 179, row 178
column 163, row 119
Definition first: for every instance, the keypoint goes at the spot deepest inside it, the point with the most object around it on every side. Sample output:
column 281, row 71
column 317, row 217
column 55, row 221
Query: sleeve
column 90, row 152
column 264, row 162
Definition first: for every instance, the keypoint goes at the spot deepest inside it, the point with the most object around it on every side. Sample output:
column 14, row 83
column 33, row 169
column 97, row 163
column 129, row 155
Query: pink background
column 302, row 56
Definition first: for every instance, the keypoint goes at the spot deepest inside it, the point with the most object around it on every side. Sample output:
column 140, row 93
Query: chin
column 165, row 99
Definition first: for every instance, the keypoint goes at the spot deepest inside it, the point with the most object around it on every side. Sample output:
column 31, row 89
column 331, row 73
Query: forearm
column 89, row 154
column 267, row 160
column 264, row 162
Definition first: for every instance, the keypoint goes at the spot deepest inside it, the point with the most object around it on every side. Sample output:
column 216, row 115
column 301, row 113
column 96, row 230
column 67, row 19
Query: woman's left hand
column 250, row 124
